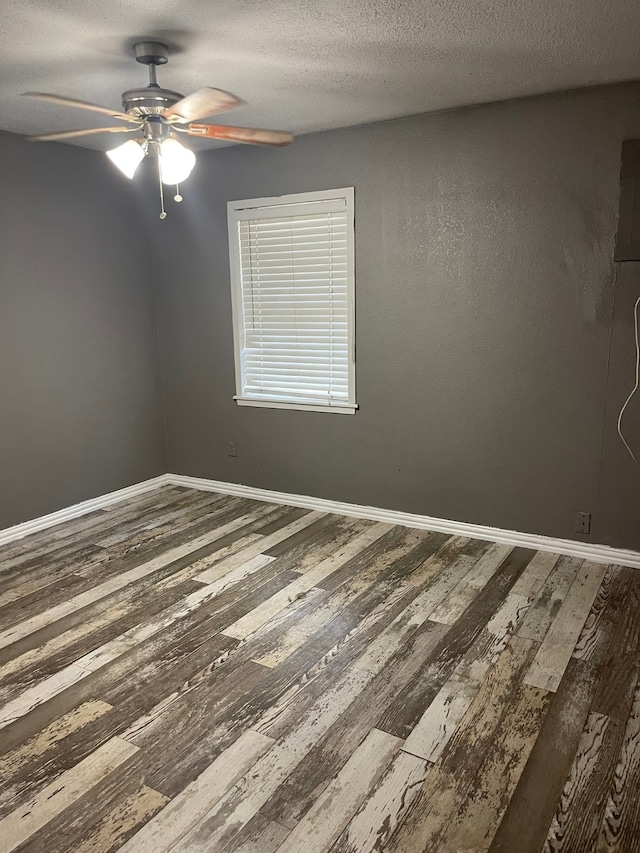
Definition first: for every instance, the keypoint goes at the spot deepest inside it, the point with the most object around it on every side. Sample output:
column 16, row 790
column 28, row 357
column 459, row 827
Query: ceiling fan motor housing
column 149, row 100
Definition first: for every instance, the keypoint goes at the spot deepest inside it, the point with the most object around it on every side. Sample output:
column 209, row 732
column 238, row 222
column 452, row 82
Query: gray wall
column 80, row 398
column 485, row 296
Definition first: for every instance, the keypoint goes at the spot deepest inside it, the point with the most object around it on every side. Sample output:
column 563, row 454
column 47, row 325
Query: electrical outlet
column 583, row 522
column 232, row 450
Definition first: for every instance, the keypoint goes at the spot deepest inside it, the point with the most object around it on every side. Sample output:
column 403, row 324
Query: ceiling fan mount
column 151, row 52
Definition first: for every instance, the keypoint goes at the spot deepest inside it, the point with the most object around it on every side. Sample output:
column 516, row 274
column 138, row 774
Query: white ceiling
column 312, row 64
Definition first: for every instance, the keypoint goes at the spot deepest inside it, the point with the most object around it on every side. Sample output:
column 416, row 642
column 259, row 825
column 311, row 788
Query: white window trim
column 234, row 209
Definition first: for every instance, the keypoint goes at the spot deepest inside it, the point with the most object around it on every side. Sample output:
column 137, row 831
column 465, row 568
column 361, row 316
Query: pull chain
column 163, row 213
column 177, row 196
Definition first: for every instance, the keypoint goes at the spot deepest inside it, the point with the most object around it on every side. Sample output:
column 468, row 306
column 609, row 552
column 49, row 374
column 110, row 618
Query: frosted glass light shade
column 127, row 157
column 176, row 161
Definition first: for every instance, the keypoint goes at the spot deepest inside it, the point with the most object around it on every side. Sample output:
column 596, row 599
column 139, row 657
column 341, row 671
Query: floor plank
column 453, row 777
column 340, row 800
column 382, row 812
column 191, row 671
column 259, row 836
column 620, row 827
column 576, row 824
column 532, row 806
column 187, row 808
column 555, row 651
column 549, row 599
column 23, row 822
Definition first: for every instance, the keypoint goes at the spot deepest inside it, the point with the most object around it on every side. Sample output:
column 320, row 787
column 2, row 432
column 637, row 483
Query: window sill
column 338, row 409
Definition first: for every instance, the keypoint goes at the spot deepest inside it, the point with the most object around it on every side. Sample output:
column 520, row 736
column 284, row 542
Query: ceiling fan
column 157, row 115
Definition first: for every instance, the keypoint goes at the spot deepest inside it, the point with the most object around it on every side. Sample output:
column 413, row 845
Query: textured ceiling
column 312, row 64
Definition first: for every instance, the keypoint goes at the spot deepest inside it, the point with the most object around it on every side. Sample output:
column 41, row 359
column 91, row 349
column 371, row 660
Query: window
column 292, row 285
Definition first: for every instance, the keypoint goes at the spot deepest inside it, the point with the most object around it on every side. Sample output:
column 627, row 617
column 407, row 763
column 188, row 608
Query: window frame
column 235, row 211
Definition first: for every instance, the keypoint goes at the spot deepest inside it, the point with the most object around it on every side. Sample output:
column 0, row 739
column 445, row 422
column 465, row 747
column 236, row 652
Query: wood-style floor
column 186, row 671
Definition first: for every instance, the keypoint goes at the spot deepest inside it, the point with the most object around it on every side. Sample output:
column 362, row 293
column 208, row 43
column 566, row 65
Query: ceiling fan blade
column 250, row 135
column 202, row 103
column 69, row 134
column 83, row 105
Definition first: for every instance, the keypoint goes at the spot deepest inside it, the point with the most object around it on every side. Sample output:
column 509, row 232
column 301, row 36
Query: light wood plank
column 229, row 563
column 28, row 752
column 259, row 836
column 188, row 807
column 535, row 575
column 134, row 810
column 555, row 652
column 258, row 617
column 597, row 630
column 450, row 780
column 344, row 795
column 30, row 699
column 549, row 598
column 31, row 625
column 233, row 811
column 452, row 608
column 443, row 716
column 26, row 820
column 382, row 811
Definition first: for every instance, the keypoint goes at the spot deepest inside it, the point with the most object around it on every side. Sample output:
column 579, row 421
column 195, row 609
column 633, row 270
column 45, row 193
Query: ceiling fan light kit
column 158, row 115
column 127, row 157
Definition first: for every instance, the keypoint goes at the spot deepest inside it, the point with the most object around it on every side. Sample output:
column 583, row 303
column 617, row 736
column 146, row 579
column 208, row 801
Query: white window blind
column 292, row 278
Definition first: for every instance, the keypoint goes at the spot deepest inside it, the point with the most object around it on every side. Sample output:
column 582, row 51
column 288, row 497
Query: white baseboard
column 584, row 550
column 10, row 534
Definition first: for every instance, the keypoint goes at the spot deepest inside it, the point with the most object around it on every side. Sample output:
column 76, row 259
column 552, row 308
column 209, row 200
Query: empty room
column 319, row 426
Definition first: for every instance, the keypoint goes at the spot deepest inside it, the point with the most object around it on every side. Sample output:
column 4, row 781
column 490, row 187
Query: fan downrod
column 152, row 99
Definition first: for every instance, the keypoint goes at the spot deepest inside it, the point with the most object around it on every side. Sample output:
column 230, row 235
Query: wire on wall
column 637, row 382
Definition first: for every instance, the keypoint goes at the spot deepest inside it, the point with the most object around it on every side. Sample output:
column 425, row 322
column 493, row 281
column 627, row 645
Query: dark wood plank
column 259, row 836
column 595, row 636
column 403, row 714
column 619, row 673
column 226, row 608
column 81, row 545
column 481, row 734
column 620, row 827
column 37, row 638
column 44, row 541
column 533, row 804
column 576, row 824
column 298, row 793
column 283, row 515
column 44, row 664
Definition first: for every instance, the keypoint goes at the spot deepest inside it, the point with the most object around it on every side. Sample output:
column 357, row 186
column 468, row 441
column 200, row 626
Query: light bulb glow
column 176, row 161
column 127, row 157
